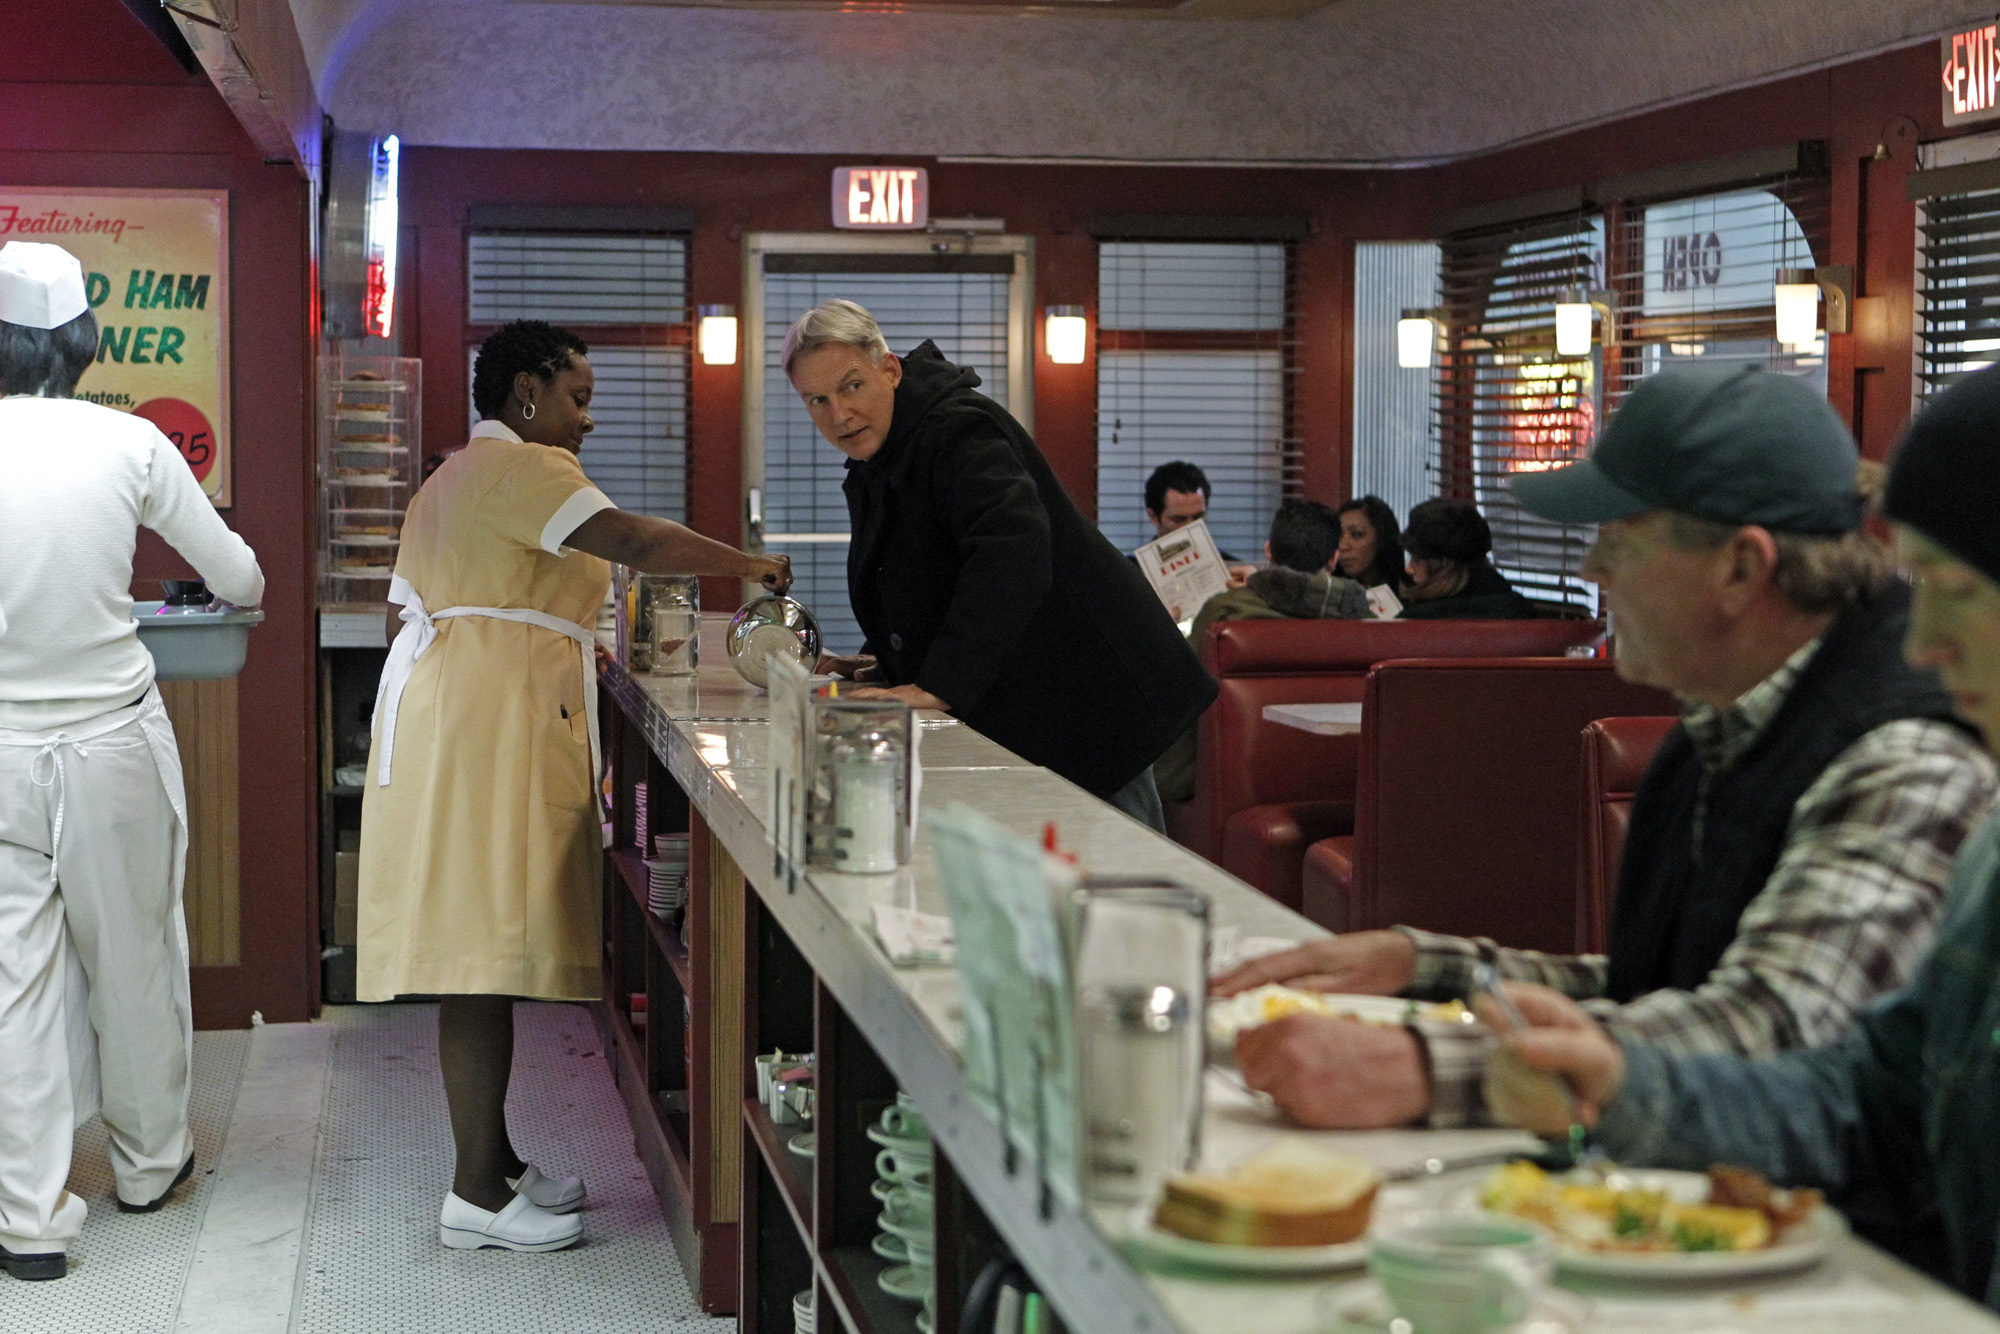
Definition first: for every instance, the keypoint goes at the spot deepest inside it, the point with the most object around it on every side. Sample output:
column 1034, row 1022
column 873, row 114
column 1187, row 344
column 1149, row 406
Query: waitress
column 93, row 813
column 480, row 846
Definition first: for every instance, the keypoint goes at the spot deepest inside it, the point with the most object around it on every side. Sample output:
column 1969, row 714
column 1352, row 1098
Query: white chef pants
column 109, row 939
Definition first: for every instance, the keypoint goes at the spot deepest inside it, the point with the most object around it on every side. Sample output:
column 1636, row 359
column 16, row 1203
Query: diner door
column 968, row 294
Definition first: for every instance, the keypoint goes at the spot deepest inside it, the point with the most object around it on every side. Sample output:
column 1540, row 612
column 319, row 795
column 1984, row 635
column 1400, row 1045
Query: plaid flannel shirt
column 1844, row 917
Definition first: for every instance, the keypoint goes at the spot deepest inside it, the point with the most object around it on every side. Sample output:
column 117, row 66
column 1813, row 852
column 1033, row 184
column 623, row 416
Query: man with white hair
column 980, row 588
column 93, row 813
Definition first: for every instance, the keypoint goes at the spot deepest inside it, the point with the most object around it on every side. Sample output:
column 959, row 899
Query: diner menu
column 1185, row 568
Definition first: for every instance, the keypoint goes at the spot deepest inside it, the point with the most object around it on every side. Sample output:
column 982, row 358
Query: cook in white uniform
column 93, row 815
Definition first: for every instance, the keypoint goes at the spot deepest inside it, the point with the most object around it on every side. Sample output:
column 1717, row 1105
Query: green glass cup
column 1461, row 1273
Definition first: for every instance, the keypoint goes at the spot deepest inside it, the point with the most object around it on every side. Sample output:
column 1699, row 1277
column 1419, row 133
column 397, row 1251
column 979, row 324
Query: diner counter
column 711, row 733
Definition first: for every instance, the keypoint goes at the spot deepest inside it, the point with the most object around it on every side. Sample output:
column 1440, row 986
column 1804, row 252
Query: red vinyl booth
column 1264, row 792
column 1616, row 752
column 1466, row 812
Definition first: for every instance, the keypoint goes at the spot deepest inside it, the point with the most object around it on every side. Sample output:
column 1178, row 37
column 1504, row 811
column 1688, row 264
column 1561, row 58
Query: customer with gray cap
column 1900, row 1120
column 1790, row 845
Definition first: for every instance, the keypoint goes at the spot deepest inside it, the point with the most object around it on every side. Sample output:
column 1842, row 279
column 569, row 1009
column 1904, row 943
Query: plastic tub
column 194, row 645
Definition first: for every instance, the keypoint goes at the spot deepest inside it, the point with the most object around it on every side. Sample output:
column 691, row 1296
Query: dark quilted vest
column 1677, row 906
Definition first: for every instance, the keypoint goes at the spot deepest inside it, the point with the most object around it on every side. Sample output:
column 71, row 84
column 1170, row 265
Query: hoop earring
column 527, row 412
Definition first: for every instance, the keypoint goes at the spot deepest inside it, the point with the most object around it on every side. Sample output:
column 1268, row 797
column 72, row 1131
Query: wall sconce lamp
column 716, row 335
column 1575, row 307
column 1797, row 294
column 1068, row 334
column 1416, row 338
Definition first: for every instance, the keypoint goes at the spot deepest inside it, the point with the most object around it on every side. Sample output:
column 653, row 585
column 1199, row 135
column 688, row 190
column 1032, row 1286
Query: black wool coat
column 974, row 576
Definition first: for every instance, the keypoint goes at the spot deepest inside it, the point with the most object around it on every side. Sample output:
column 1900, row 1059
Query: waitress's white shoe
column 519, row 1227
column 556, row 1196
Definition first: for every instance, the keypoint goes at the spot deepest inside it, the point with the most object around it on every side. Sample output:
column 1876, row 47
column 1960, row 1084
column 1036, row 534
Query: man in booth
column 981, row 589
column 1790, row 846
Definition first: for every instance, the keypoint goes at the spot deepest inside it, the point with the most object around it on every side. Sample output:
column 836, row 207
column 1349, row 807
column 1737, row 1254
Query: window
column 1958, row 261
column 1697, row 282
column 1688, row 279
column 1506, row 402
column 1195, row 356
column 805, row 512
column 626, row 296
column 1393, row 442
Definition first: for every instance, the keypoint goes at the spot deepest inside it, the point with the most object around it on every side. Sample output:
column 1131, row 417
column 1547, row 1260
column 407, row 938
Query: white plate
column 1803, row 1245
column 1361, row 1308
column 1227, row 1018
column 904, row 1283
column 1150, row 1242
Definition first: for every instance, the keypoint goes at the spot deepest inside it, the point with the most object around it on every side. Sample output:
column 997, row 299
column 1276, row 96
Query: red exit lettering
column 880, row 197
column 1971, row 74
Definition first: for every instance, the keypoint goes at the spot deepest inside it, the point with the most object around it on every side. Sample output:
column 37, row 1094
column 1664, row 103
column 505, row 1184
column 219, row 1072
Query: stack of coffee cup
column 667, row 874
column 908, row 1239
column 802, row 1311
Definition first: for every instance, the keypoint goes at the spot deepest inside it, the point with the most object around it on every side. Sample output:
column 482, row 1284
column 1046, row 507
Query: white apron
column 420, row 631
column 50, row 747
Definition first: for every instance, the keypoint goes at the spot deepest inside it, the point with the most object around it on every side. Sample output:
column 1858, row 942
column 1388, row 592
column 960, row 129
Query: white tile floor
column 126, row 1270
column 365, row 1236
column 372, row 1260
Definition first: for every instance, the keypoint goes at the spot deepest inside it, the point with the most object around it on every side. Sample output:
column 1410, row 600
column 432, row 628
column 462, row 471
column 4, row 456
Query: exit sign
column 1971, row 71
column 882, row 199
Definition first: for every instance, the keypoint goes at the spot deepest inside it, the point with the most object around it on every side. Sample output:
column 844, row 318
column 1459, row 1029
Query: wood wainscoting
column 204, row 717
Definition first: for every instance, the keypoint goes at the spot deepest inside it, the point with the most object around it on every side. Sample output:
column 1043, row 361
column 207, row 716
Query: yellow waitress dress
column 480, row 858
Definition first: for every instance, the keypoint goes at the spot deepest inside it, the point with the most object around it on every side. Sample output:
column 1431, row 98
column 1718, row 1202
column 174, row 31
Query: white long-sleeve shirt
column 77, row 482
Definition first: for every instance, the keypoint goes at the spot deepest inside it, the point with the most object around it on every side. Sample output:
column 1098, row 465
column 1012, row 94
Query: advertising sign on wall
column 156, row 266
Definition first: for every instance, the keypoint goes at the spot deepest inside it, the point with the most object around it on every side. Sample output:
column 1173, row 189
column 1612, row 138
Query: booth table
column 789, row 962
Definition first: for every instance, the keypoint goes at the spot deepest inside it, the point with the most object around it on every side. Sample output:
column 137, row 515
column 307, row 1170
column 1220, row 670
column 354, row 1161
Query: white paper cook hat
column 41, row 286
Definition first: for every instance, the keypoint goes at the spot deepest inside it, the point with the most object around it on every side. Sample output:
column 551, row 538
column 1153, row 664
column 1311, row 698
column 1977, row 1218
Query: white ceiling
column 1359, row 82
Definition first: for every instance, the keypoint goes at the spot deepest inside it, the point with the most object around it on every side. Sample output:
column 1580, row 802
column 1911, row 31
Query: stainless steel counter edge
column 1093, row 1286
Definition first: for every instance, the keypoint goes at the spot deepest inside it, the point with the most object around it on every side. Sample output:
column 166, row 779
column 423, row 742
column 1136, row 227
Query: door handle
column 753, row 518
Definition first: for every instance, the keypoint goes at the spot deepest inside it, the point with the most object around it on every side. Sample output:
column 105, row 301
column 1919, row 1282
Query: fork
column 1584, row 1151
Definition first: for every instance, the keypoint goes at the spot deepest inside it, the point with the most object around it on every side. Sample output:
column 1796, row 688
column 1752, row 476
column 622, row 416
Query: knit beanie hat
column 1447, row 530
column 1945, row 478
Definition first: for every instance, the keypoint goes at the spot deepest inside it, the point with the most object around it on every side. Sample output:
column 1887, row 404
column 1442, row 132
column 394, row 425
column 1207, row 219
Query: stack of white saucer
column 908, row 1239
column 802, row 1311
column 667, row 874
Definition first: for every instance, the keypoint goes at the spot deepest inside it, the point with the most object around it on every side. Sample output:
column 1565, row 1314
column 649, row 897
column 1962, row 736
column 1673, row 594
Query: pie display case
column 369, row 436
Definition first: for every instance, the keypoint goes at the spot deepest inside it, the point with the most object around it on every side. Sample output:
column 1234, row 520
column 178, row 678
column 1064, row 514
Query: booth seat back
column 1616, row 752
column 1245, row 761
column 1465, row 816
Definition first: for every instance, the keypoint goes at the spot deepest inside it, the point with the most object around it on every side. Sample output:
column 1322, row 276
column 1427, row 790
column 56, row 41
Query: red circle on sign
column 187, row 426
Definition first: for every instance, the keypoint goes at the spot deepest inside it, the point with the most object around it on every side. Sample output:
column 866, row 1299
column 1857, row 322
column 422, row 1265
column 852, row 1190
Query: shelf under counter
column 631, row 868
column 791, row 1171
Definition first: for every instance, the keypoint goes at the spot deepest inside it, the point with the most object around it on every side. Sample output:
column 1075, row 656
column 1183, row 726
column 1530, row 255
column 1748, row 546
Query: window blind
column 627, row 293
column 1958, row 287
column 1393, row 439
column 1195, row 362
column 571, row 280
column 805, row 512
column 1506, row 403
column 1695, row 281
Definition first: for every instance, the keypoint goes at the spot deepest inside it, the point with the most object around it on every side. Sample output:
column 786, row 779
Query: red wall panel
column 95, row 101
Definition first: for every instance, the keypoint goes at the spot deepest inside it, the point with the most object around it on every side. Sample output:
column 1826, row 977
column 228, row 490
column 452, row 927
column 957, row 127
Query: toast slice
column 1292, row 1194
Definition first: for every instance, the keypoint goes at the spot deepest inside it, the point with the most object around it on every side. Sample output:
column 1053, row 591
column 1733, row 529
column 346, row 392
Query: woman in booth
column 480, row 846
column 1371, row 545
column 1449, row 576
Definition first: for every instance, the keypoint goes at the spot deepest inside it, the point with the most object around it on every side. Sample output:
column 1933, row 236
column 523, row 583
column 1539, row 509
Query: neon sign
column 1971, row 73
column 378, row 306
column 881, row 199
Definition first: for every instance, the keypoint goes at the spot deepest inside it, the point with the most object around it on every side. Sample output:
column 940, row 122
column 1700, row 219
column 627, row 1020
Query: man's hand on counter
column 1336, row 1074
column 859, row 667
column 1368, row 963
column 915, row 696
